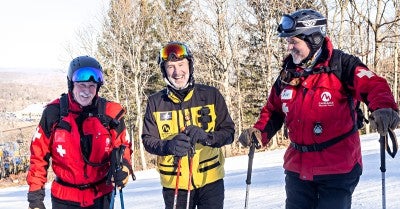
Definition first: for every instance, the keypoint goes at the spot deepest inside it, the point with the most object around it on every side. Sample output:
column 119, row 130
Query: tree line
column 235, row 47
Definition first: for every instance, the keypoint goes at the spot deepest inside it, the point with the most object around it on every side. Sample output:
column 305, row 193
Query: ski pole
column 112, row 198
column 382, row 141
column 254, row 144
column 121, row 198
column 178, row 173
column 116, row 161
column 190, row 155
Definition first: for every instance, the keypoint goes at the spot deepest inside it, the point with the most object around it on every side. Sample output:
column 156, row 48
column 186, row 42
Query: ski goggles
column 176, row 49
column 288, row 24
column 88, row 74
column 288, row 78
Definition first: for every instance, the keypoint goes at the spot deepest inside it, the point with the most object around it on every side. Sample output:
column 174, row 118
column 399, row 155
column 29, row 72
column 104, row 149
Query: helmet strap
column 314, row 42
column 311, row 59
column 189, row 83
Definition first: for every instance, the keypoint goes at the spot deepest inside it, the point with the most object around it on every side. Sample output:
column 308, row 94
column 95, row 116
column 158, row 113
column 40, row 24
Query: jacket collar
column 176, row 99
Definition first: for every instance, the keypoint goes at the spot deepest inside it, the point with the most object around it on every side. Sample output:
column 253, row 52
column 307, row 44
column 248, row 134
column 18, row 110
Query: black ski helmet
column 306, row 24
column 83, row 69
column 302, row 22
column 173, row 51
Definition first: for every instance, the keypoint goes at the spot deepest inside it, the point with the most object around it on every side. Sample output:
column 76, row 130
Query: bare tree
column 128, row 50
column 235, row 45
column 219, row 53
column 382, row 24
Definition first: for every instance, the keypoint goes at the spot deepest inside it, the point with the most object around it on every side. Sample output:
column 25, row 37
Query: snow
column 267, row 187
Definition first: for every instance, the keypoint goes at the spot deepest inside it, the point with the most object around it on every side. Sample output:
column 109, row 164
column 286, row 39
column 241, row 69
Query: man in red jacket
column 315, row 97
column 82, row 133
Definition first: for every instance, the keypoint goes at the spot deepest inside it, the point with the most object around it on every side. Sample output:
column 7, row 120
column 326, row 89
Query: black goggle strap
column 289, row 24
column 310, row 23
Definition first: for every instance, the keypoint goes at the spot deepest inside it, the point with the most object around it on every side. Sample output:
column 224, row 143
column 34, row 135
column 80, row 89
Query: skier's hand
column 36, row 198
column 178, row 146
column 196, row 134
column 121, row 177
column 246, row 138
column 384, row 119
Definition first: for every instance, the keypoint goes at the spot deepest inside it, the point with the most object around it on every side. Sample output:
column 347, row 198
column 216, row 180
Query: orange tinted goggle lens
column 178, row 50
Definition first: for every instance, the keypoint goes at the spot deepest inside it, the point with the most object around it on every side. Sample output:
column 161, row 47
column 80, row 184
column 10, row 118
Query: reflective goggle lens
column 178, row 50
column 287, row 24
column 87, row 74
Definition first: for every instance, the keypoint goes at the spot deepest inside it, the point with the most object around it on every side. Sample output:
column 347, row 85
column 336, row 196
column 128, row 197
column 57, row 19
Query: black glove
column 196, row 134
column 384, row 119
column 121, row 176
column 36, row 198
column 178, row 146
column 246, row 137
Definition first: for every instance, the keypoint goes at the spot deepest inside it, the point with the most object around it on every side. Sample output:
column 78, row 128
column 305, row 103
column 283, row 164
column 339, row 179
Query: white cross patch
column 37, row 135
column 61, row 151
column 365, row 72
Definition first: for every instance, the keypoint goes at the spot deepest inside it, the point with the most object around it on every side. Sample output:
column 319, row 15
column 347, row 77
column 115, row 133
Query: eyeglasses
column 288, row 24
column 87, row 74
column 175, row 49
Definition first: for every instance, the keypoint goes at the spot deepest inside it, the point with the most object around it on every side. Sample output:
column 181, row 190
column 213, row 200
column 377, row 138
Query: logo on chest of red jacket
column 326, row 98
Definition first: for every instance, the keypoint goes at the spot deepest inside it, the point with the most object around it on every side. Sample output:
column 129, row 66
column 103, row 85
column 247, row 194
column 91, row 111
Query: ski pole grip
column 255, row 141
column 382, row 142
column 250, row 163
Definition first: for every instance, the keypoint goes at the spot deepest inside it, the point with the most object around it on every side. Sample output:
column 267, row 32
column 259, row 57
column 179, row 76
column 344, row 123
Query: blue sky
column 35, row 34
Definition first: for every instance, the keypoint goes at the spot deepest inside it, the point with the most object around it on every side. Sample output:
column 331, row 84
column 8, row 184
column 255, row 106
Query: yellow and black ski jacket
column 166, row 115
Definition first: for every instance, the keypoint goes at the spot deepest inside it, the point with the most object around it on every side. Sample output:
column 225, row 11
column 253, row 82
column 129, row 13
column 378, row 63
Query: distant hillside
column 19, row 90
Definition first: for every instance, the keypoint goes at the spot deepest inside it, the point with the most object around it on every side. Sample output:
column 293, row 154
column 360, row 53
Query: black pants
column 99, row 203
column 211, row 196
column 328, row 192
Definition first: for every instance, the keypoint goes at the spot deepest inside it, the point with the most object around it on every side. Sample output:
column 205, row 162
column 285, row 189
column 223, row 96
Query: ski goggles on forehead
column 87, row 74
column 177, row 50
column 288, row 24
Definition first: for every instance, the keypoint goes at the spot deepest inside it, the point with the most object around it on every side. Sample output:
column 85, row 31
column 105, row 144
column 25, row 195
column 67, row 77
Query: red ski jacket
column 318, row 110
column 80, row 168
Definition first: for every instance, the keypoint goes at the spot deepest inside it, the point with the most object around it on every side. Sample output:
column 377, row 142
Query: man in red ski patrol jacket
column 79, row 132
column 323, row 162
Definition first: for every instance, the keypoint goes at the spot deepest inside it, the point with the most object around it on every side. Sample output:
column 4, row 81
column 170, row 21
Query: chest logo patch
column 287, row 94
column 165, row 115
column 166, row 128
column 326, row 98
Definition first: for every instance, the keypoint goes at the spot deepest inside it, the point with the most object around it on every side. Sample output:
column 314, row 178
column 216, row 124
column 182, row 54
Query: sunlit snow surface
column 267, row 187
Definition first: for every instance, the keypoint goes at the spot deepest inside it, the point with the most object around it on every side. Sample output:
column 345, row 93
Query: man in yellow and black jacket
column 184, row 124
